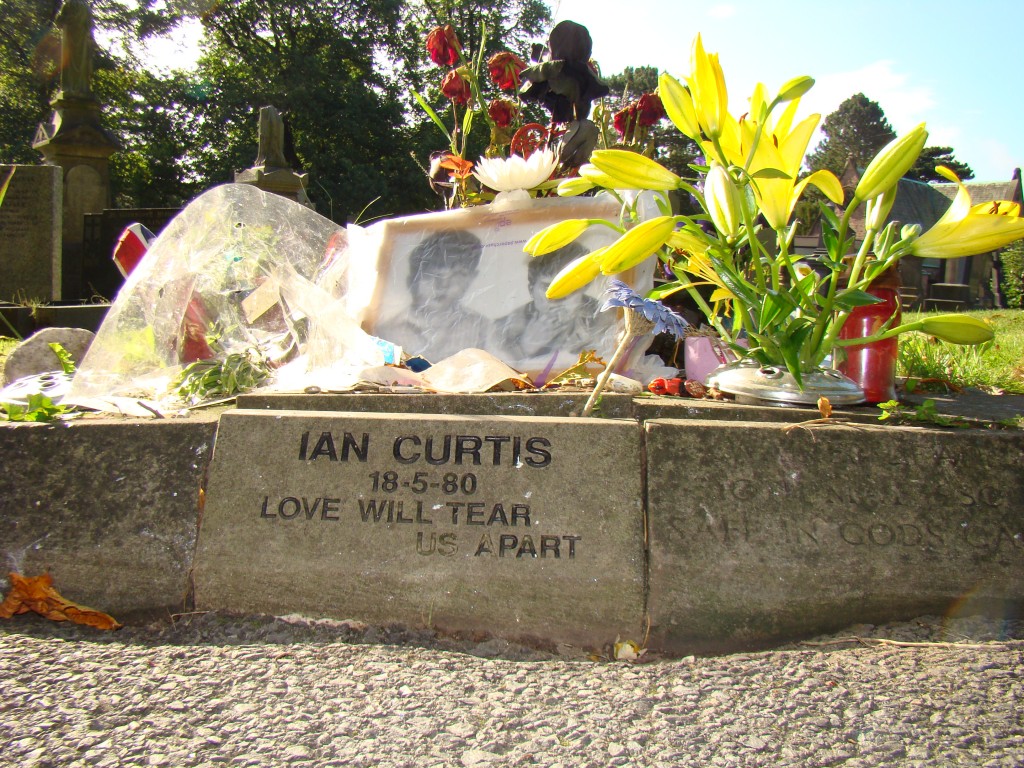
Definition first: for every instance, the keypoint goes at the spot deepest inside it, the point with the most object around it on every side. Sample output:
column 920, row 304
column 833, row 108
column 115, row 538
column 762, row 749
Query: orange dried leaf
column 824, row 408
column 36, row 593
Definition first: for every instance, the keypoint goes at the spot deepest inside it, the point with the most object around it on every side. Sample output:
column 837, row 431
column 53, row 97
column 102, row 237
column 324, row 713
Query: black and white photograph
column 460, row 279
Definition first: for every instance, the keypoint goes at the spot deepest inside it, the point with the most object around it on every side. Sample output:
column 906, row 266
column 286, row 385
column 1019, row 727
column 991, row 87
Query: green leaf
column 848, row 299
column 733, row 281
column 666, row 289
column 66, row 363
column 770, row 173
column 5, row 185
column 432, row 115
column 775, row 303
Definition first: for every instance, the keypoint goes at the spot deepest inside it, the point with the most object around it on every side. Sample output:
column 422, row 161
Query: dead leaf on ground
column 824, row 408
column 36, row 593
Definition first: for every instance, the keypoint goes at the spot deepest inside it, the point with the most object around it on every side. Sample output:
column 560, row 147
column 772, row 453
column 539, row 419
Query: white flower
column 508, row 175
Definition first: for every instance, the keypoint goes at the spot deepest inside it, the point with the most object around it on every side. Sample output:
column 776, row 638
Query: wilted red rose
column 624, row 119
column 505, row 68
column 443, row 46
column 456, row 87
column 649, row 109
column 502, row 112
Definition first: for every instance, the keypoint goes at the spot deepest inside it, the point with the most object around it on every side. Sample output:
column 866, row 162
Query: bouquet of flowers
column 739, row 247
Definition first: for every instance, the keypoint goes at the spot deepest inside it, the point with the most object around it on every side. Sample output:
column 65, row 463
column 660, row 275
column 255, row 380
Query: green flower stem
column 756, row 249
column 825, row 314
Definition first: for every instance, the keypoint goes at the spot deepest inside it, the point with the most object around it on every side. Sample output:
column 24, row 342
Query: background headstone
column 34, row 354
column 30, row 234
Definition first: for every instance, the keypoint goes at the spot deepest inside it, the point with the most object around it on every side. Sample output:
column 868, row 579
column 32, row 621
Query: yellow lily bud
column 556, row 236
column 574, row 186
column 637, row 244
column 633, row 170
column 956, row 329
column 575, row 275
column 723, row 201
column 794, row 89
column 910, row 230
column 679, row 106
column 877, row 209
column 889, row 165
column 599, row 178
column 707, row 86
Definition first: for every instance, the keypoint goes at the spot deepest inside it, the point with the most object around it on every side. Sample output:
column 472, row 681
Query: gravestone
column 767, row 532
column 34, row 355
column 30, row 234
column 522, row 527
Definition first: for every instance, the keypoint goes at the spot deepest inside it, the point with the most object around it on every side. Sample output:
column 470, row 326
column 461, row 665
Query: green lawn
column 995, row 365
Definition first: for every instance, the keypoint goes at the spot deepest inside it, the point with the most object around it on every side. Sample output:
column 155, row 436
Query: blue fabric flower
column 664, row 319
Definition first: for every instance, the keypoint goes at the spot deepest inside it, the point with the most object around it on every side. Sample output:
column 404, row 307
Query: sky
column 952, row 64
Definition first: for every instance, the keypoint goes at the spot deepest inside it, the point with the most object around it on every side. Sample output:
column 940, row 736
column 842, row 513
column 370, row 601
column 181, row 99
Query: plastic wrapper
column 238, row 268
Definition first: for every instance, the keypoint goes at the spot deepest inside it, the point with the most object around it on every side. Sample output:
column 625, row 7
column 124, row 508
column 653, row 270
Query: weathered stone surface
column 109, row 507
column 759, row 532
column 520, row 527
column 34, row 355
column 616, row 406
column 646, row 409
column 30, row 233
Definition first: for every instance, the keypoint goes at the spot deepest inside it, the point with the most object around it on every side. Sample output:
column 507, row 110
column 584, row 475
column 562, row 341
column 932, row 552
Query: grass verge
column 994, row 365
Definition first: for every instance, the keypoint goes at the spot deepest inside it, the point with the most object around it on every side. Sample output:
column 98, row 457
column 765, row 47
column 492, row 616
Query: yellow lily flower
column 688, row 243
column 637, row 244
column 634, row 171
column 965, row 230
column 700, row 267
column 891, row 164
column 575, row 275
column 707, row 87
column 556, row 236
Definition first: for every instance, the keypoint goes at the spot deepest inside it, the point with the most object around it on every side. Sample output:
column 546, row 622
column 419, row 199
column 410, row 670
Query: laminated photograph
column 459, row 279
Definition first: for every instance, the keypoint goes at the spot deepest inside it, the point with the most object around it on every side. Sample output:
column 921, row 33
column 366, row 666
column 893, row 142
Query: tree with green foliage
column 671, row 148
column 858, row 129
column 29, row 58
column 145, row 172
column 924, row 168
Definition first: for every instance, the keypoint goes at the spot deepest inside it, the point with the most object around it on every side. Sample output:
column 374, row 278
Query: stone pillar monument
column 272, row 172
column 75, row 140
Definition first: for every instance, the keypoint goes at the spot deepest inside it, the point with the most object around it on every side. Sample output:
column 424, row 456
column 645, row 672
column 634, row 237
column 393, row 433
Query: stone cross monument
column 75, row 140
column 272, row 171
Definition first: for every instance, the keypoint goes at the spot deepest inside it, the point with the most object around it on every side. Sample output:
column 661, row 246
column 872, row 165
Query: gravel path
column 249, row 691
